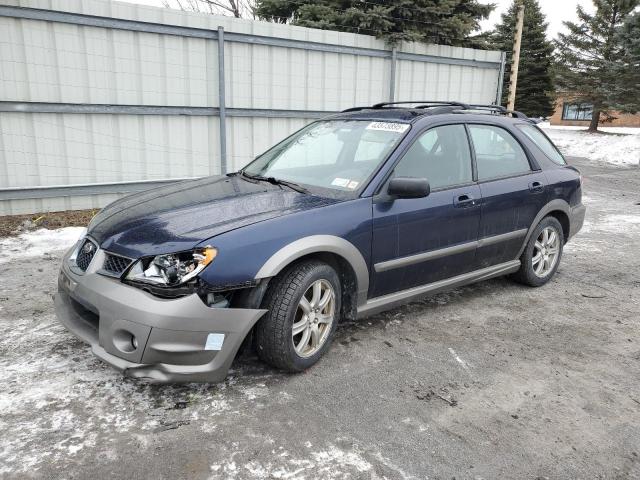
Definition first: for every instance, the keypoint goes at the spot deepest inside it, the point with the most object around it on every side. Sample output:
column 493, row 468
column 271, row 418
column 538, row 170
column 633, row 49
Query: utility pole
column 517, row 42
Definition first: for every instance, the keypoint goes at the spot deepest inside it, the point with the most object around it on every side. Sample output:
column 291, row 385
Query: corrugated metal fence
column 100, row 98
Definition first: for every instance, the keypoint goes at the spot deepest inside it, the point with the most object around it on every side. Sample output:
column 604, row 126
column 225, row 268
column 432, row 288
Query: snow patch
column 590, row 240
column 60, row 401
column 620, row 149
column 618, row 223
column 259, row 390
column 335, row 455
column 38, row 243
column 626, row 130
column 464, row 364
column 329, row 463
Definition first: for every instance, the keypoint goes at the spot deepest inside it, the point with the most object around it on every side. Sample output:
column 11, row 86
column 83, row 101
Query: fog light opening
column 125, row 341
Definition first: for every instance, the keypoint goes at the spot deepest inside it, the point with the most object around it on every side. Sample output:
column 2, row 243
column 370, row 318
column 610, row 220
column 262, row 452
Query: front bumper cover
column 171, row 336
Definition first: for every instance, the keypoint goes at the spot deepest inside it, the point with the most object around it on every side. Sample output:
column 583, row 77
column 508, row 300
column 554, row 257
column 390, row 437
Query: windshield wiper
column 275, row 181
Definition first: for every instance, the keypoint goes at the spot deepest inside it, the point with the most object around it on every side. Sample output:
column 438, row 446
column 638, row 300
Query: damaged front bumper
column 161, row 340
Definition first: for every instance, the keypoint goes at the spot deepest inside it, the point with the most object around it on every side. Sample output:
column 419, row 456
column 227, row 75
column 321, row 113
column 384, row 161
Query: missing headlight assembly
column 175, row 275
column 171, row 275
column 172, row 269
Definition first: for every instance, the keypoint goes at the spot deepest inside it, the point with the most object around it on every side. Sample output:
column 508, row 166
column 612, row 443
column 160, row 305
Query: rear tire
column 542, row 255
column 305, row 297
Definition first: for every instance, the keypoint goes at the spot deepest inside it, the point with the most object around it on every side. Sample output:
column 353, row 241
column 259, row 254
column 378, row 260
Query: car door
column 421, row 240
column 512, row 193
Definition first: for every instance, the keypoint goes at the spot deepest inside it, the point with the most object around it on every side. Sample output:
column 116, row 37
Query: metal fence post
column 392, row 78
column 503, row 61
column 221, row 102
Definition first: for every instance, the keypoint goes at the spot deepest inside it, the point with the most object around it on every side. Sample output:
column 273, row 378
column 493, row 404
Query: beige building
column 575, row 112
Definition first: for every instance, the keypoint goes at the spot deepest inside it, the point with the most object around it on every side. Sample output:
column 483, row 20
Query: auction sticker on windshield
column 340, row 182
column 388, row 126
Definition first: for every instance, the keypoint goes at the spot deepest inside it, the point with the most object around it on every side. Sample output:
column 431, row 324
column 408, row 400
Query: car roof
column 395, row 112
column 388, row 114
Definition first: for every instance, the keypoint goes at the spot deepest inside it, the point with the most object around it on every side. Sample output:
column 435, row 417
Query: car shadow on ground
column 362, row 331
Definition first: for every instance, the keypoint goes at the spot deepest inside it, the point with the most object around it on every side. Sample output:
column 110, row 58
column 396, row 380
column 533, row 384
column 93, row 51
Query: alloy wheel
column 546, row 251
column 314, row 318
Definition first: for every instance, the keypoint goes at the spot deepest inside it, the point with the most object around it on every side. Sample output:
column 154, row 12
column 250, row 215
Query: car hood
column 179, row 216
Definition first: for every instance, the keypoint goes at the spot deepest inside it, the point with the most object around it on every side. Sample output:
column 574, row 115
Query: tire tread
column 525, row 274
column 271, row 330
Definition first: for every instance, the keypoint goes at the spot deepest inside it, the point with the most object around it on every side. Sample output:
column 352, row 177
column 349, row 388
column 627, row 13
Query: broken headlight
column 172, row 269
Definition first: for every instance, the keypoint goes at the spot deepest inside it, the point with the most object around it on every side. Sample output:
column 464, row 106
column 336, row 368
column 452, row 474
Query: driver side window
column 441, row 155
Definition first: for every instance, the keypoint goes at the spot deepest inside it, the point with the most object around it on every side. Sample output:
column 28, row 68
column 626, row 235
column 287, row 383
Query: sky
column 556, row 11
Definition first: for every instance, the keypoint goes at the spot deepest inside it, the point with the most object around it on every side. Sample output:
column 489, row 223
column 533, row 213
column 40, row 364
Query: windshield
column 334, row 154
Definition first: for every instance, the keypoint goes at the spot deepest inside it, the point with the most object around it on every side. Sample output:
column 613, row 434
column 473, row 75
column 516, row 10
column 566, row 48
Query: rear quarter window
column 540, row 139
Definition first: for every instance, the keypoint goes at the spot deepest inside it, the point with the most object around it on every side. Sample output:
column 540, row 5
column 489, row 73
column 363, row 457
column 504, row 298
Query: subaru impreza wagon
column 351, row 215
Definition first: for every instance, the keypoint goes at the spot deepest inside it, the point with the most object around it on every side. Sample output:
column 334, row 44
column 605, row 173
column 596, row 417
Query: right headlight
column 172, row 269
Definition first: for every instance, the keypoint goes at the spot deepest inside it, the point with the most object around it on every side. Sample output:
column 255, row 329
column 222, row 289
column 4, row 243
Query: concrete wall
column 65, row 64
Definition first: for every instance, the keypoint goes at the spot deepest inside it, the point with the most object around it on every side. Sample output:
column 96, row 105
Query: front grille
column 115, row 264
column 85, row 254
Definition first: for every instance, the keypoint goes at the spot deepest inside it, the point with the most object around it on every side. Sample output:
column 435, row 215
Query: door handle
column 536, row 187
column 464, row 201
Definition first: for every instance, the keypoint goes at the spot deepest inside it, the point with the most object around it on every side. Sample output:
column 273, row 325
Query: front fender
column 316, row 244
column 263, row 249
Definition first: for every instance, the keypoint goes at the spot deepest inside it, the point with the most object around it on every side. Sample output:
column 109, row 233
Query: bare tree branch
column 236, row 8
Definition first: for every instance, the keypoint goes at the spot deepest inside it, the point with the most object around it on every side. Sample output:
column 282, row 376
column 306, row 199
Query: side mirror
column 408, row 187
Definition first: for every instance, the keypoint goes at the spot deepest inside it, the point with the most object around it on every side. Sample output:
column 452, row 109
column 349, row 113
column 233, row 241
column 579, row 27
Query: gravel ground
column 494, row 380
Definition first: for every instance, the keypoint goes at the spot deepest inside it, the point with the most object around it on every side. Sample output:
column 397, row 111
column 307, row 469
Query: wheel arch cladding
column 330, row 248
column 557, row 208
column 563, row 218
column 347, row 276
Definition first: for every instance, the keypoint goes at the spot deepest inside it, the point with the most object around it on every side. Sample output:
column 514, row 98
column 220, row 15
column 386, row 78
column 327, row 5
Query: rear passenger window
column 441, row 155
column 541, row 140
column 498, row 154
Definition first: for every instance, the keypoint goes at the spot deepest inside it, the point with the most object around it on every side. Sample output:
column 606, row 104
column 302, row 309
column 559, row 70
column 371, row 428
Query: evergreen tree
column 534, row 95
column 447, row 22
column 624, row 93
column 590, row 50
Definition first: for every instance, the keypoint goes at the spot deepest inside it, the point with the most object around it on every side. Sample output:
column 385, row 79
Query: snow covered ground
column 546, row 377
column 38, row 243
column 616, row 145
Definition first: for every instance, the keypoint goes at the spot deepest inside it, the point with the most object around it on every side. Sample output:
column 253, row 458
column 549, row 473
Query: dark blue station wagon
column 349, row 216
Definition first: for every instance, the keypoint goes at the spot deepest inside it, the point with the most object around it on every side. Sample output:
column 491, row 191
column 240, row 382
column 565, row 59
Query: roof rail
column 422, row 104
column 515, row 113
column 458, row 107
column 498, row 109
column 354, row 109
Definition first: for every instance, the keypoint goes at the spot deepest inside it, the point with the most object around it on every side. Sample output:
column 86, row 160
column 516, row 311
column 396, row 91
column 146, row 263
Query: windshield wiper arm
column 286, row 183
column 251, row 178
column 276, row 181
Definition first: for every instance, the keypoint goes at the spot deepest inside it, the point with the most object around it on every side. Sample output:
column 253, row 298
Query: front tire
column 542, row 255
column 304, row 308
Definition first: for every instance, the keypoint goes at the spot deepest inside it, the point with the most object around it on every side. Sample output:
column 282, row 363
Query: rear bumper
column 179, row 340
column 576, row 219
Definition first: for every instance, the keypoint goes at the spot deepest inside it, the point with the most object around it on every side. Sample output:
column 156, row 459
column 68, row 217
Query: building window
column 577, row 111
